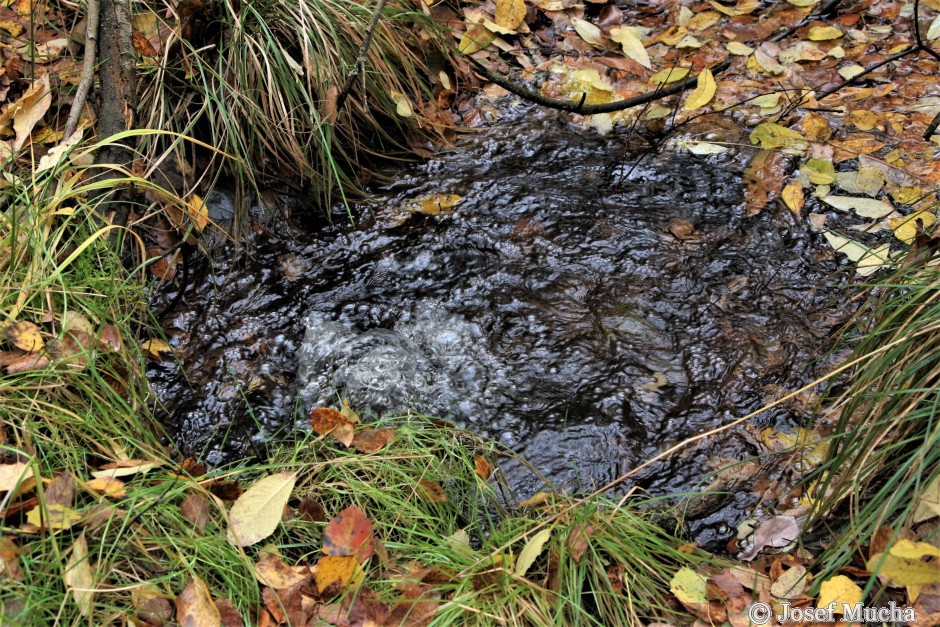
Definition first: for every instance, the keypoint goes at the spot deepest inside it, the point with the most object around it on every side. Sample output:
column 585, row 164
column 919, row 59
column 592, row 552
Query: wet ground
column 583, row 308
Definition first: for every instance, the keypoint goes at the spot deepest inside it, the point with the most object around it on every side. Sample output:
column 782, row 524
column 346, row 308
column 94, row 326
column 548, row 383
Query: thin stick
column 361, row 57
column 580, row 107
column 88, row 70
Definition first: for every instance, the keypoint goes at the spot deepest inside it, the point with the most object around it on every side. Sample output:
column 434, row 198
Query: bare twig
column 580, row 107
column 88, row 69
column 361, row 56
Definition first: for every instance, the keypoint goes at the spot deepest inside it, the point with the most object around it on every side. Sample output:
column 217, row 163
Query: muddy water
column 563, row 308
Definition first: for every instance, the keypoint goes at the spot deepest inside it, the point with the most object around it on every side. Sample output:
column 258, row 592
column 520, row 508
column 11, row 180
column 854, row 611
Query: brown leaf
column 228, row 614
column 372, row 440
column 349, row 533
column 225, row 490
column 431, row 491
column 194, row 606
column 152, row 606
column 310, row 509
column 763, row 179
column 273, row 571
column 165, row 266
column 417, row 607
column 578, row 541
column 29, row 361
column 195, row 509
column 775, row 532
column 25, row 336
column 9, row 560
column 61, row 490
column 79, row 577
column 325, row 420
column 482, row 467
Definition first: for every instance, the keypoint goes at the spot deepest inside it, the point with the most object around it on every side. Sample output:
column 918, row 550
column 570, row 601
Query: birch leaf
column 703, row 92
column 865, row 207
column 257, row 512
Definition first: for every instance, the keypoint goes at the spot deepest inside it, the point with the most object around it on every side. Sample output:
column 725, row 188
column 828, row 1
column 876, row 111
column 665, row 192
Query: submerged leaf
column 703, row 92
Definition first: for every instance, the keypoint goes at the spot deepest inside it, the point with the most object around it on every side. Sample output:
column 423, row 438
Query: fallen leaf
column 25, row 336
column 9, row 559
column 55, row 517
column 433, row 204
column 739, row 49
column 325, row 420
column 578, row 541
column 928, row 503
column 791, row 583
column 155, row 348
column 195, row 509
column 819, row 171
column 402, row 104
column 510, row 13
column 349, row 533
column 13, row 475
column 334, row 573
column 194, row 606
column 869, row 259
column 775, row 532
column 125, row 468
column 588, row 32
column 841, row 591
column 257, row 512
column 865, row 207
column 271, row 570
column 530, row 552
column 793, row 197
column 198, row 212
column 23, row 114
column 481, row 467
column 632, row 46
column 904, row 566
column 907, row 227
column 431, row 491
column 476, row 38
column 689, row 587
column 311, row 509
column 108, row 486
column 703, row 92
column 669, row 76
column 79, row 577
column 771, row 135
column 703, row 148
column 372, row 440
column 824, row 33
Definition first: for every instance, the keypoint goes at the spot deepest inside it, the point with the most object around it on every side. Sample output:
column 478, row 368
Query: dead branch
column 88, row 69
column 582, row 109
column 361, row 56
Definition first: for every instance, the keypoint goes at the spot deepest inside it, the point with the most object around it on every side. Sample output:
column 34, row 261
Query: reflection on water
column 555, row 309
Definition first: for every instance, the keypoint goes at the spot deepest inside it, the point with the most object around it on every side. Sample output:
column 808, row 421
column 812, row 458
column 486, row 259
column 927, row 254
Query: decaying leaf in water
column 257, row 512
column 433, row 204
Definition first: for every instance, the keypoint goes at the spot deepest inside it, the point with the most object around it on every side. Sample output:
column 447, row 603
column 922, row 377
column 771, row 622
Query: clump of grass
column 263, row 88
column 886, row 446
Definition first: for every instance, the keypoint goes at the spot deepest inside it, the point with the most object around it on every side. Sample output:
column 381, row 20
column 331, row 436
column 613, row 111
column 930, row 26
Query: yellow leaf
column 905, row 572
column 257, row 512
column 819, row 171
column 791, row 583
column 539, row 498
column 56, row 517
column 928, row 505
column 433, row 204
column 739, row 49
column 154, row 347
column 632, row 46
column 198, row 212
column 839, row 590
column 125, row 469
column 510, row 13
column 13, row 475
column 906, row 228
column 910, row 550
column 338, row 570
column 78, row 576
column 588, row 32
column 743, row 7
column 703, row 92
column 532, row 549
column 25, row 336
column 793, row 197
column 669, row 76
column 770, row 135
column 476, row 38
column 109, row 486
column 824, row 33
column 689, row 587
column 402, row 104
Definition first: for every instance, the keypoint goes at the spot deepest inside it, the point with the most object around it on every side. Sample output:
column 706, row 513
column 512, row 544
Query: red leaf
column 349, row 533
